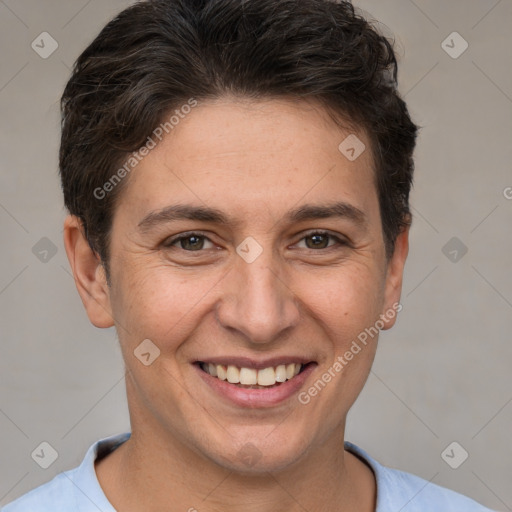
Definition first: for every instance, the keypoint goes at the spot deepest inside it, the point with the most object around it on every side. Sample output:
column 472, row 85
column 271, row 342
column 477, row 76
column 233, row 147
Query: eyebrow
column 172, row 213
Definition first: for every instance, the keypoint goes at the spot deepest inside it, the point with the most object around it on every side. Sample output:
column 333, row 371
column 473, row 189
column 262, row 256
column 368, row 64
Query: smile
column 252, row 377
column 244, row 382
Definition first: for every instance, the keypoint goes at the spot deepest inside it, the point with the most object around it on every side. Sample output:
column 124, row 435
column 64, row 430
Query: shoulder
column 399, row 490
column 416, row 494
column 55, row 496
column 71, row 491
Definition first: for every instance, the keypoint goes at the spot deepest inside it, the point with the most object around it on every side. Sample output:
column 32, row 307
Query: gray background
column 441, row 375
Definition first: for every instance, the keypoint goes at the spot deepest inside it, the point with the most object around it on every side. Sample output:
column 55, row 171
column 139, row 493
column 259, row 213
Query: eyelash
column 169, row 243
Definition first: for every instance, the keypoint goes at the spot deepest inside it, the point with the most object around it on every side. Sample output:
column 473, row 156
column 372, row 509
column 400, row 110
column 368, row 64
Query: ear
column 89, row 274
column 394, row 276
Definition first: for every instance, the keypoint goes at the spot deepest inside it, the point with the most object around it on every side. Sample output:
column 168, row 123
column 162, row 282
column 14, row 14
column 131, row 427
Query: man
column 237, row 175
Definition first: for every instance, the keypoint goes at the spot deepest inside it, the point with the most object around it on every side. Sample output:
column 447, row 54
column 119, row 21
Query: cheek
column 153, row 302
column 344, row 301
column 346, row 306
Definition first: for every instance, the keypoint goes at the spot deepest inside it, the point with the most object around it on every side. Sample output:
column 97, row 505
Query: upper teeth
column 249, row 376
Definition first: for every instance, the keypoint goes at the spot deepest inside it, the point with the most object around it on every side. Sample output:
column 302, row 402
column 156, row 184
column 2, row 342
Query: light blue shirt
column 78, row 490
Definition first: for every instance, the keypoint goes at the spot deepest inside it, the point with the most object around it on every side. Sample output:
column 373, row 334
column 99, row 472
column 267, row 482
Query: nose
column 258, row 302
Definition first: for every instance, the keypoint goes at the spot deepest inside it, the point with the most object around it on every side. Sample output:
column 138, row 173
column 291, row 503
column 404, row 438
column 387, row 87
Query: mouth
column 252, row 384
column 252, row 378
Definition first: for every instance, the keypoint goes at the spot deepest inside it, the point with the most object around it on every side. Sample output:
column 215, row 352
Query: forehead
column 241, row 155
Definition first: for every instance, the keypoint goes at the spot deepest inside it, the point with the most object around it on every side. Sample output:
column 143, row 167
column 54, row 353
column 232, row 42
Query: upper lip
column 256, row 364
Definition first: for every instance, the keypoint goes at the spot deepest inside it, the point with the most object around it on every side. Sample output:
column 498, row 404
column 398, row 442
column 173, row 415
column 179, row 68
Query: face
column 247, row 244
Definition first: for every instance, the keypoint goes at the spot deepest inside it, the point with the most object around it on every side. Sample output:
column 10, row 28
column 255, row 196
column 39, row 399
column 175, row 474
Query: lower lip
column 257, row 398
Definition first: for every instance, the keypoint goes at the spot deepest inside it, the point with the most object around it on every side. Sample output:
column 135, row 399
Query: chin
column 259, row 454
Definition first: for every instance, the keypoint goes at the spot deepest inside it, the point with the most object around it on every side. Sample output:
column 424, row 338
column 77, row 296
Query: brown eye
column 318, row 241
column 189, row 242
column 192, row 243
column 321, row 240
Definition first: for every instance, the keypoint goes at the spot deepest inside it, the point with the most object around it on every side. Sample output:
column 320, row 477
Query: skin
column 255, row 162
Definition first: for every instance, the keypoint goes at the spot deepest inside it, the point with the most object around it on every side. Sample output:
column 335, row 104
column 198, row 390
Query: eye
column 189, row 242
column 196, row 242
column 320, row 240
